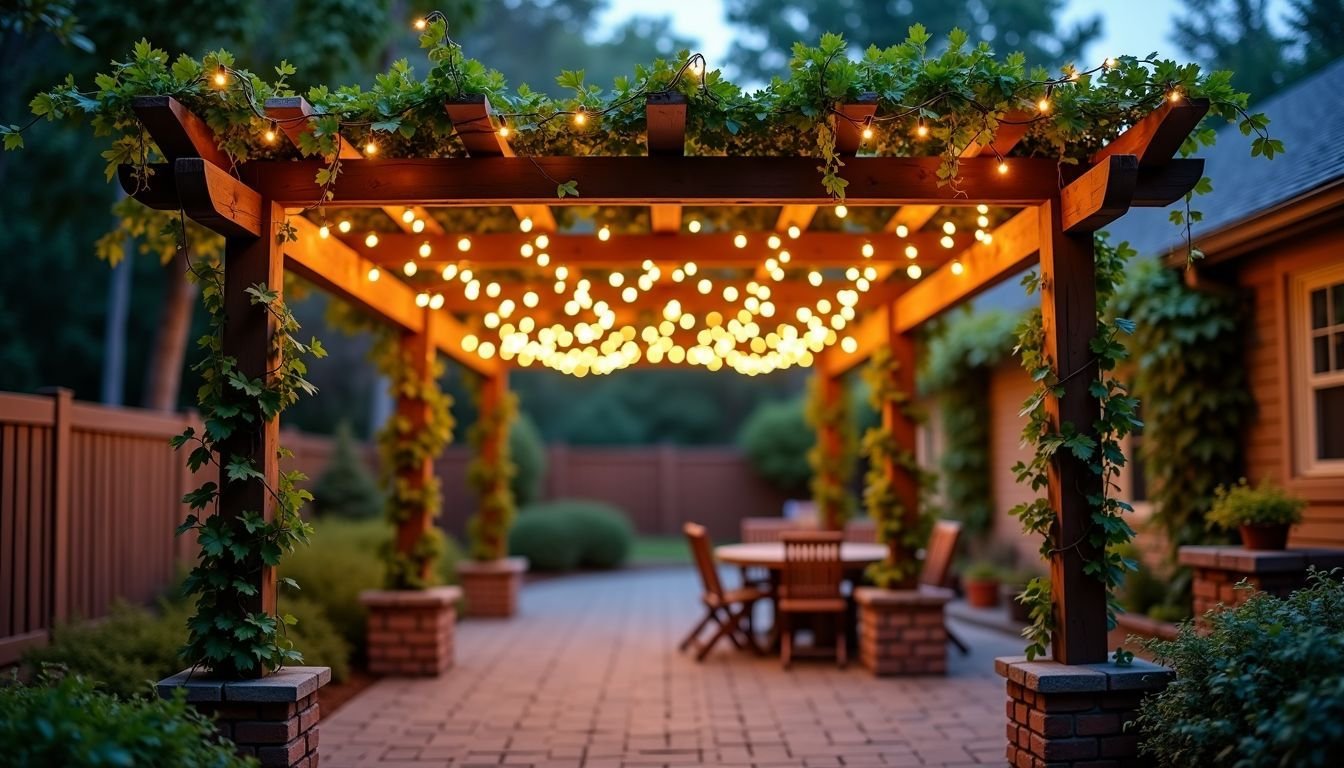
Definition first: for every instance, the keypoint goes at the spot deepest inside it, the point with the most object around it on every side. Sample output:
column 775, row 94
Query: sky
column 1135, row 27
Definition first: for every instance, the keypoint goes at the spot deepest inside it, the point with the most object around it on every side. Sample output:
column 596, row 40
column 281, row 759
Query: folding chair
column 938, row 563
column 730, row 611
column 811, row 584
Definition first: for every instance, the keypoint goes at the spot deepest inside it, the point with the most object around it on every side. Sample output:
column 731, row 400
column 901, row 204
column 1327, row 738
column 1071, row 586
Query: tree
column 1319, row 25
column 1014, row 25
column 1235, row 35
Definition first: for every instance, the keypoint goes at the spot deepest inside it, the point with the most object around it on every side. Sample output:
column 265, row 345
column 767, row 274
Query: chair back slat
column 939, row 552
column 812, row 565
column 698, row 538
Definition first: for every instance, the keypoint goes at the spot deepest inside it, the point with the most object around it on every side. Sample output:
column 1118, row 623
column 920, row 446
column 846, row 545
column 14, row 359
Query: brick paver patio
column 588, row 675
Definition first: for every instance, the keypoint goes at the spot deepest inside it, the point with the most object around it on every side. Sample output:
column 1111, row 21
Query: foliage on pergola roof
column 597, row 258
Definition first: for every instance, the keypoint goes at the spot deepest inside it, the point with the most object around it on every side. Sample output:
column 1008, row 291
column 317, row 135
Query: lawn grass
column 659, row 550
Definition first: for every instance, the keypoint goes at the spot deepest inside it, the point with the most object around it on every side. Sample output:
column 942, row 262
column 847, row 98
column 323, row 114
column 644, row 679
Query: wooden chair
column 810, row 583
column 937, row 570
column 730, row 611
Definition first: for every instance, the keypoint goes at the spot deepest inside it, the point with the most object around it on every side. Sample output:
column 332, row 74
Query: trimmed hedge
column 776, row 439
column 528, row 452
column 69, row 723
column 568, row 534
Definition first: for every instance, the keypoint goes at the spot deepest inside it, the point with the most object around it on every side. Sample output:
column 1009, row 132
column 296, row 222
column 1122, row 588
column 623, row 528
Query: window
column 1318, row 324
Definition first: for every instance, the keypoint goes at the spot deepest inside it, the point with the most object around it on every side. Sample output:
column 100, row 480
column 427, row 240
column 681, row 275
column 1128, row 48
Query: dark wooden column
column 418, row 349
column 494, row 388
column 1069, row 319
column 249, row 331
column 897, row 421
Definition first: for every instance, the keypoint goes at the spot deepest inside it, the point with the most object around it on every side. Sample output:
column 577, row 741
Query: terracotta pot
column 981, row 593
column 1272, row 536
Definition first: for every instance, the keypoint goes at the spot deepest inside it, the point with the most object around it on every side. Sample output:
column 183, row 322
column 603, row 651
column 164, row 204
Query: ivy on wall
column 960, row 354
column 1098, row 444
column 490, row 473
column 1190, row 373
column 832, row 460
column 403, row 448
column 900, row 568
column 224, row 634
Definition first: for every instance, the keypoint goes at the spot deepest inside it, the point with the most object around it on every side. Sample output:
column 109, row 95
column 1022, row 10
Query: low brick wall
column 273, row 719
column 903, row 632
column 1218, row 570
column 410, row 632
column 1074, row 716
column 491, row 588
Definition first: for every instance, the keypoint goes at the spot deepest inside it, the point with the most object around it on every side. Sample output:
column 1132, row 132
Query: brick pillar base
column 491, row 586
column 902, row 632
column 273, row 718
column 410, row 631
column 1217, row 570
column 1062, row 716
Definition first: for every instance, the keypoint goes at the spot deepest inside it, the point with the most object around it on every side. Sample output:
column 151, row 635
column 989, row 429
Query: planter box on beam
column 410, row 632
column 1218, row 570
column 902, row 631
column 1067, row 716
column 491, row 586
column 272, row 718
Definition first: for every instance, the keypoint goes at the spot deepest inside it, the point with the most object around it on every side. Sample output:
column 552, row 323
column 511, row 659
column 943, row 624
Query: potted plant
column 1262, row 514
column 981, row 584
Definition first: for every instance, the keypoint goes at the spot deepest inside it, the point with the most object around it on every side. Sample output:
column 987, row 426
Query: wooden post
column 419, row 349
column 831, row 444
column 1069, row 320
column 896, row 419
column 249, row 332
column 493, row 391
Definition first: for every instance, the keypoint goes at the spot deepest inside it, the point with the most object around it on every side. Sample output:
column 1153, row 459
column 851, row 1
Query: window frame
column 1303, row 380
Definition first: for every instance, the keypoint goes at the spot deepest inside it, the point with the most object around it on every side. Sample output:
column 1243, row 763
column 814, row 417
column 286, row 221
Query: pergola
column 1052, row 209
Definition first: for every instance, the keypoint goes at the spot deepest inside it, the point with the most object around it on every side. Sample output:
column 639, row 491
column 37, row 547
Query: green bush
column 1243, row 505
column 126, row 653
column 1265, row 687
column 347, row 489
column 529, row 459
column 69, row 723
column 316, row 637
column 776, row 439
column 568, row 534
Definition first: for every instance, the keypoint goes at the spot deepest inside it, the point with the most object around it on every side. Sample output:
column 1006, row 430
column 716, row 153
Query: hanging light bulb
column 914, row 271
column 525, row 224
column 421, row 23
column 464, row 244
column 982, row 208
column 949, row 228
column 921, row 130
column 867, row 250
column 408, row 216
column 867, row 132
column 324, row 232
column 580, row 117
column 436, row 301
column 425, row 250
column 947, row 241
column 693, row 225
column 344, row 226
column 1003, row 166
column 409, row 268
column 270, row 135
column 604, row 234
column 542, row 240
column 902, row 230
column 422, row 300
column 957, row 267
column 370, row 148
column 374, row 274
column 1174, row 95
column 784, row 257
column 449, row 272
column 794, row 231
column 1043, row 106
column 841, row 211
column 371, row 239
column 814, row 277
column 504, row 131
column 1110, row 63
column 221, row 77
column 773, row 241
column 740, row 240
column 616, row 279
column 911, row 252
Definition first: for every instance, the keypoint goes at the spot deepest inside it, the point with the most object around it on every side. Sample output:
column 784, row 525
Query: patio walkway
column 588, row 675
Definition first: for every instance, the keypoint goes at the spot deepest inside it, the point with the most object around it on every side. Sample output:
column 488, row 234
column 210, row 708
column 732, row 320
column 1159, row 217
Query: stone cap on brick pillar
column 1053, row 677
column 924, row 595
column 1244, row 560
column 433, row 597
column 287, row 685
column 502, row 565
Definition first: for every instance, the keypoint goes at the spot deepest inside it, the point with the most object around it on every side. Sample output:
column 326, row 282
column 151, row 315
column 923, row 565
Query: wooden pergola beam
column 178, row 132
column 665, row 118
column 628, row 252
column 216, row 200
column 849, row 125
column 1157, row 137
column 1101, row 195
column 475, row 126
column 295, row 117
column 649, row 180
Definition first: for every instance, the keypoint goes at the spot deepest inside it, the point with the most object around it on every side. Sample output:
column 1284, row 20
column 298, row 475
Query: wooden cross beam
column 849, row 125
column 665, row 118
column 178, row 132
column 650, row 180
column 295, row 118
column 628, row 252
column 475, row 126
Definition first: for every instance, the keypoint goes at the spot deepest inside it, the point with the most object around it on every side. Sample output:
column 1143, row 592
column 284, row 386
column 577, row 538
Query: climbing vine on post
column 832, row 456
column 232, row 633
column 1099, row 446
column 491, row 469
column 408, row 446
column 902, row 528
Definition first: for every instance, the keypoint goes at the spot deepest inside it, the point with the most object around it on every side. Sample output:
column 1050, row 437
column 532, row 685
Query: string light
column 422, row 299
column 436, row 301
column 409, row 269
column 543, row 259
column 949, row 228
column 526, row 250
column 374, row 274
column 1110, row 63
column 408, row 216
column 371, row 240
column 464, row 244
column 947, row 241
column 982, row 209
column 542, row 240
column 504, row 131
column 604, row 234
column 841, row 211
column 794, row 231
column 814, row 277
column 784, row 257
column 580, row 117
column 221, row 77
column 911, row 252
column 902, row 230
column 324, row 232
column 693, row 225
column 371, row 148
column 525, row 224
column 270, row 133
column 867, row 129
column 1003, row 166
column 425, row 250
column 914, row 271
column 449, row 272
column 956, row 267
column 740, row 240
column 867, row 250
column 1174, row 95
column 615, row 279
column 421, row 23
column 418, row 226
column 921, row 130
column 1043, row 106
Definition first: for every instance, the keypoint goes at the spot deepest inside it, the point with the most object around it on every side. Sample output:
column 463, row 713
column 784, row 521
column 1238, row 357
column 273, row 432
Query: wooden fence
column 90, row 496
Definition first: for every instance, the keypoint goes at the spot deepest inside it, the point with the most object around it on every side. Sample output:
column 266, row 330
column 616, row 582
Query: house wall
column 1269, row 440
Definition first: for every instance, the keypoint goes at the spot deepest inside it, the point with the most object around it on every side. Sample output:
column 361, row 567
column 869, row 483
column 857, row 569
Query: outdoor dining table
column 855, row 556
